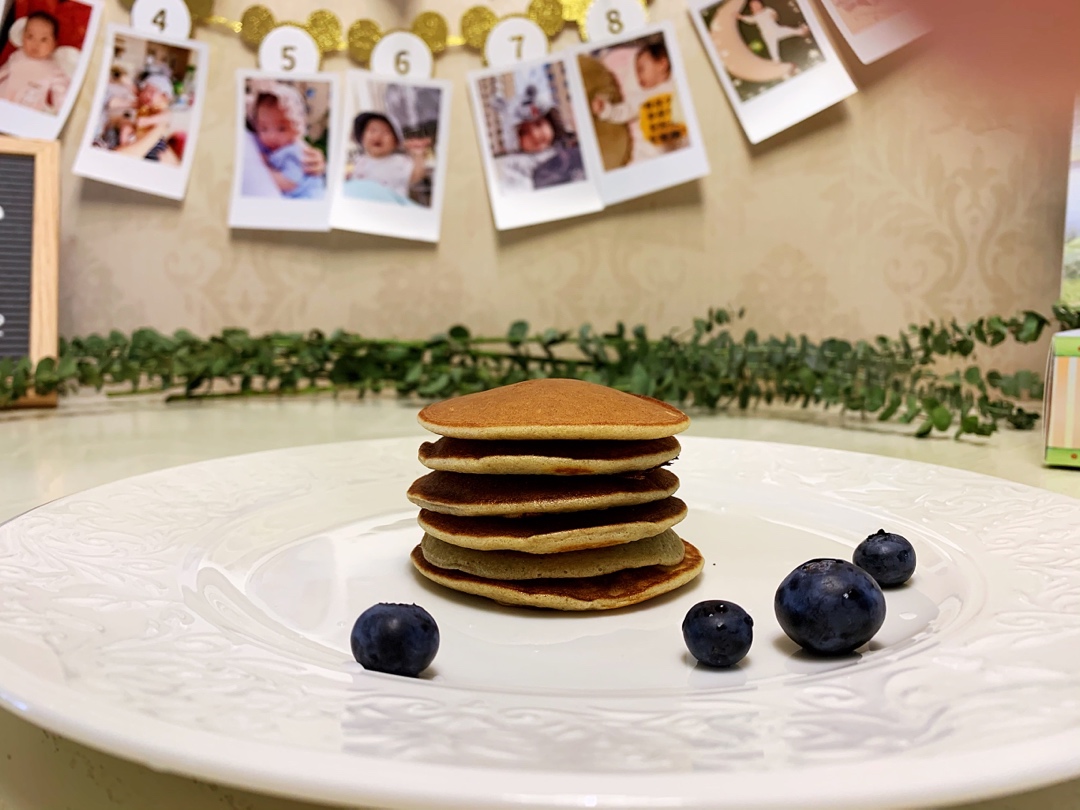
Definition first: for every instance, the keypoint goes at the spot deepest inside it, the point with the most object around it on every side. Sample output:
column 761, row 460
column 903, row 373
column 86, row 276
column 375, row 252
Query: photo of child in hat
column 385, row 168
column 147, row 117
column 285, row 122
column 394, row 140
column 531, row 129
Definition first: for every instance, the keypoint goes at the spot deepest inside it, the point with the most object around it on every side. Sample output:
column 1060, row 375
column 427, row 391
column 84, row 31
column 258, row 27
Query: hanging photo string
column 301, row 45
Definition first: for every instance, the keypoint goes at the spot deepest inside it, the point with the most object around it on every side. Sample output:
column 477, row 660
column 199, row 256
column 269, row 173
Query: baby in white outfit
column 767, row 21
column 381, row 160
column 32, row 77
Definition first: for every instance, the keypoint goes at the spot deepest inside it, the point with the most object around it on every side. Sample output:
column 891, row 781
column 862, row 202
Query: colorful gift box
column 1062, row 402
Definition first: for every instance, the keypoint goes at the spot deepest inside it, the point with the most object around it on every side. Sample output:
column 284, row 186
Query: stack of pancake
column 552, row 493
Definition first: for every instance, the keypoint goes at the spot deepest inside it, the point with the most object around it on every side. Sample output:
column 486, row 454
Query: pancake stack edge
column 552, row 494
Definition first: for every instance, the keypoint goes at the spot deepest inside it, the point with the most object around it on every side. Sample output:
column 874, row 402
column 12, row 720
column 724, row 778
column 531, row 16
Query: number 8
column 614, row 22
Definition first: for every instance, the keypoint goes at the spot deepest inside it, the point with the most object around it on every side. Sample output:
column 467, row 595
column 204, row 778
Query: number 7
column 518, row 41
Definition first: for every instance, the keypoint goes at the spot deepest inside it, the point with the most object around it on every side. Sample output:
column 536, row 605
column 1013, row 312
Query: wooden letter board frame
column 45, row 251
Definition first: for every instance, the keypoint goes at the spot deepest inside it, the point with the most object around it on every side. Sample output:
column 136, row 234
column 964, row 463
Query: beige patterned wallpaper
column 917, row 198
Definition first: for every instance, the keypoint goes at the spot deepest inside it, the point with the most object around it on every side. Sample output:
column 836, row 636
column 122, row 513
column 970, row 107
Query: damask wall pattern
column 917, row 198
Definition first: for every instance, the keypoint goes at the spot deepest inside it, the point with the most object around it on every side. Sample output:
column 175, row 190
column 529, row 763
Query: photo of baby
column 287, row 130
column 44, row 48
column 1070, row 278
column 859, row 15
column 146, row 108
column 394, row 143
column 393, row 156
column 761, row 43
column 875, row 28
column 531, row 129
column 635, row 104
column 144, row 118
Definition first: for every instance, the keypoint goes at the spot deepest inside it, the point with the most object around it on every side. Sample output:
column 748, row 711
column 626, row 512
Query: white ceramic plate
column 197, row 620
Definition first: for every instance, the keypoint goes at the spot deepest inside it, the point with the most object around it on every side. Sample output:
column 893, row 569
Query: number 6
column 401, row 62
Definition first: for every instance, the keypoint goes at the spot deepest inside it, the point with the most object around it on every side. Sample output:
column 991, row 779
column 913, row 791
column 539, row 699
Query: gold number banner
column 359, row 40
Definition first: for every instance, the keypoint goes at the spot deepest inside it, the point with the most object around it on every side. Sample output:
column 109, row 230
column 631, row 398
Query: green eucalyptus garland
column 926, row 376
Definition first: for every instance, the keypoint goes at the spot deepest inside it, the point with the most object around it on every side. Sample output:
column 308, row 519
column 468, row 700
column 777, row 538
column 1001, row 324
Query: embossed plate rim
column 349, row 778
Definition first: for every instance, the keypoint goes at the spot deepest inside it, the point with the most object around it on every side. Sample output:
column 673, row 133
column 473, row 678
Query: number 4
column 160, row 20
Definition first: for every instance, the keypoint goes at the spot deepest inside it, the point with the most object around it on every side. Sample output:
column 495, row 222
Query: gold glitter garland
column 363, row 35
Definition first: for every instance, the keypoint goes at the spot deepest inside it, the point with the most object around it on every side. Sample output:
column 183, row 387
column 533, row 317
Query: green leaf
column 639, row 380
column 551, row 337
column 519, row 330
column 941, row 417
column 890, row 409
column 875, row 399
column 924, row 429
column 1031, row 327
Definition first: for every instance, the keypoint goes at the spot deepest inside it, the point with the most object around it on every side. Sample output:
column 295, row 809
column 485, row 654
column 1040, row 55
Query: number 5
column 160, row 20
column 288, row 61
column 401, row 62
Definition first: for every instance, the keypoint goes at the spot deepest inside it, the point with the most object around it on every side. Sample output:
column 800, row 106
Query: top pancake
column 553, row 409
column 546, row 457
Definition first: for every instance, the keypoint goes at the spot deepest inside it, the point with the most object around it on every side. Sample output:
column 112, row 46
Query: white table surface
column 90, row 441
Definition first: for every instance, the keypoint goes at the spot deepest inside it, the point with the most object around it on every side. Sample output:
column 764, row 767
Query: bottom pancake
column 606, row 592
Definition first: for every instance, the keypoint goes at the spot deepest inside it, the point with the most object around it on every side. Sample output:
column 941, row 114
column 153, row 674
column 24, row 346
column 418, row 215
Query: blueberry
column 887, row 557
column 718, row 633
column 829, row 607
column 396, row 639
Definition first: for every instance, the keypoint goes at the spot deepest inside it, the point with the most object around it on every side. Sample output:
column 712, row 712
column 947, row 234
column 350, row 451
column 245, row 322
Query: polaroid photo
column 875, row 28
column 641, row 114
column 529, row 121
column 394, row 144
column 44, row 55
column 773, row 59
column 286, row 146
column 144, row 119
column 1070, row 273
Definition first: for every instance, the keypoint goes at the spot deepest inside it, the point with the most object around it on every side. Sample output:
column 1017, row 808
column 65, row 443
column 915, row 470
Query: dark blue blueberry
column 829, row 607
column 718, row 633
column 396, row 639
column 887, row 557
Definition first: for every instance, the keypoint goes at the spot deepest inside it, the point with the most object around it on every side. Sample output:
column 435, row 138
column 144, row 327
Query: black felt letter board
column 16, row 252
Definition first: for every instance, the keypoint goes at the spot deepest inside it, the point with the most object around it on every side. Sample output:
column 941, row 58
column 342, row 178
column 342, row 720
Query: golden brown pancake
column 664, row 549
column 606, row 592
column 566, row 531
column 553, row 409
column 546, row 457
column 461, row 494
